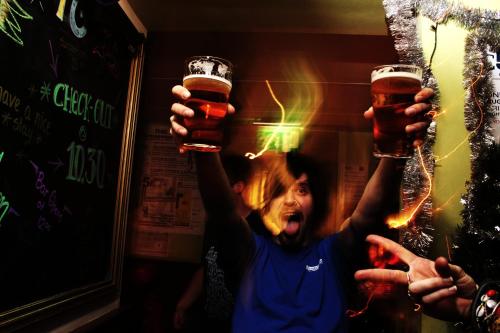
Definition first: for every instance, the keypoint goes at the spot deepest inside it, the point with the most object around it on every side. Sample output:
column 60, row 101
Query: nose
column 290, row 198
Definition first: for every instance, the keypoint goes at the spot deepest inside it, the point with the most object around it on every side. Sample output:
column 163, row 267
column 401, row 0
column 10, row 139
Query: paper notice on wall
column 169, row 195
column 494, row 58
column 169, row 202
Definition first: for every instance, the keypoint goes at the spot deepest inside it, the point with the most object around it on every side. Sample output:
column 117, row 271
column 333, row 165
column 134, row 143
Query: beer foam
column 211, row 77
column 388, row 72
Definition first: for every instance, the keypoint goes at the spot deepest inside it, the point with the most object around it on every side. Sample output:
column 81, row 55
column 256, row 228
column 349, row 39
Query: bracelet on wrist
column 486, row 308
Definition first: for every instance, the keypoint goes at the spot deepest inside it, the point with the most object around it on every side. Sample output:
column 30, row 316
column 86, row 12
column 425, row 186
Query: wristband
column 486, row 308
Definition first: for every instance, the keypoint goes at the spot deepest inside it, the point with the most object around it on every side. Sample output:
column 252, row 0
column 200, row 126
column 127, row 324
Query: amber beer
column 209, row 81
column 393, row 89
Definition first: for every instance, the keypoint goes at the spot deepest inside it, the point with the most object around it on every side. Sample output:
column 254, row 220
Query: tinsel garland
column 479, row 234
column 479, row 229
column 401, row 16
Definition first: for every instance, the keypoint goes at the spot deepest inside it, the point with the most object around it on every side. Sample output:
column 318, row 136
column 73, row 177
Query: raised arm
column 381, row 194
column 213, row 184
column 382, row 191
column 216, row 192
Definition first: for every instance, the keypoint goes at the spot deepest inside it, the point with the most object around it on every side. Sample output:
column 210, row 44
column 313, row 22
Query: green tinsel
column 477, row 242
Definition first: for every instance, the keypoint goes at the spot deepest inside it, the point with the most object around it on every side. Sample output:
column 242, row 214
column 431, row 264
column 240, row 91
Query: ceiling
column 352, row 17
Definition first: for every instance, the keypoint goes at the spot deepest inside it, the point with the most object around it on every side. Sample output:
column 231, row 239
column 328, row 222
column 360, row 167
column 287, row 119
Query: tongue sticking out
column 291, row 227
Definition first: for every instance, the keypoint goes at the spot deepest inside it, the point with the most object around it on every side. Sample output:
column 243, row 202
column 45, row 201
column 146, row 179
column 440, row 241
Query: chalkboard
column 64, row 81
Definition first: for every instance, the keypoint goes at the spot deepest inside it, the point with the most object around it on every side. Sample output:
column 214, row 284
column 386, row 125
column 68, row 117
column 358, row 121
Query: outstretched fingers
column 439, row 295
column 381, row 275
column 443, row 268
column 433, row 289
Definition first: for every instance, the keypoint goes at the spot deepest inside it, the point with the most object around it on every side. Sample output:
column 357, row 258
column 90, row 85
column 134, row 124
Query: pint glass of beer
column 209, row 81
column 393, row 89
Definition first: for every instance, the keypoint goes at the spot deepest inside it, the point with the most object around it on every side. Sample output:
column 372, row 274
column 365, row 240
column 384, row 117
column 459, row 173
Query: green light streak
column 305, row 99
column 286, row 137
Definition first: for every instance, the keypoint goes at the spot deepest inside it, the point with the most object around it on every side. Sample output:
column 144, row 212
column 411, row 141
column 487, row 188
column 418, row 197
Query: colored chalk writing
column 75, row 17
column 4, row 207
column 80, row 104
column 64, row 126
column 60, row 9
column 10, row 100
column 33, row 126
column 86, row 165
column 4, row 204
column 10, row 12
column 48, row 201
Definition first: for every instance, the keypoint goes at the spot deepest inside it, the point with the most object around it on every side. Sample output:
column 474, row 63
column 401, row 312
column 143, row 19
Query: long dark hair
column 284, row 172
column 237, row 167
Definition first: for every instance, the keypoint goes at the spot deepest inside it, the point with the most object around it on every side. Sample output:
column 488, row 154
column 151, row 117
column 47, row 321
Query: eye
column 302, row 189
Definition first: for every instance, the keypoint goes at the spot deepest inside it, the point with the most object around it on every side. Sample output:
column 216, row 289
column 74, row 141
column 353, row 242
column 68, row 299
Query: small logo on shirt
column 314, row 268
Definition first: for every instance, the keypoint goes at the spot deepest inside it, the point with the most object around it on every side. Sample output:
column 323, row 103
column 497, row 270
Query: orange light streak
column 446, row 203
column 473, row 132
column 403, row 218
column 271, row 138
column 434, row 114
column 353, row 313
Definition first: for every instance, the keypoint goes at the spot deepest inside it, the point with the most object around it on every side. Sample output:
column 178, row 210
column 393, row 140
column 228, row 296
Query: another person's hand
column 179, row 318
column 180, row 111
column 441, row 301
column 444, row 290
column 419, row 110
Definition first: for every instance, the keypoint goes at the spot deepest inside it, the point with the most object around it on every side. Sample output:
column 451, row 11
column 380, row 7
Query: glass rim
column 399, row 65
column 413, row 70
column 223, row 60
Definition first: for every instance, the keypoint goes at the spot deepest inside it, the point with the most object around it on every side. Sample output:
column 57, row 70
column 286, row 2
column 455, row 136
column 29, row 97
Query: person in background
column 443, row 290
column 290, row 281
column 209, row 281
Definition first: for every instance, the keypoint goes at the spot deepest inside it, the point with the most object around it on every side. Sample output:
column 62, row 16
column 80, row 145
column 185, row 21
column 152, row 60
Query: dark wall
column 340, row 63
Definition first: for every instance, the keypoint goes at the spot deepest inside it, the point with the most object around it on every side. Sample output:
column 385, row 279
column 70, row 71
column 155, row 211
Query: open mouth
column 292, row 222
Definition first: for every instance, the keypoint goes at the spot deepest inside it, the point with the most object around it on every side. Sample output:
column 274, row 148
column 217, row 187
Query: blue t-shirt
column 291, row 291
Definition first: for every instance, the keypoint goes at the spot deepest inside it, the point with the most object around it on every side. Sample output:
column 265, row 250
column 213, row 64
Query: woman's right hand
column 180, row 111
column 179, row 318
